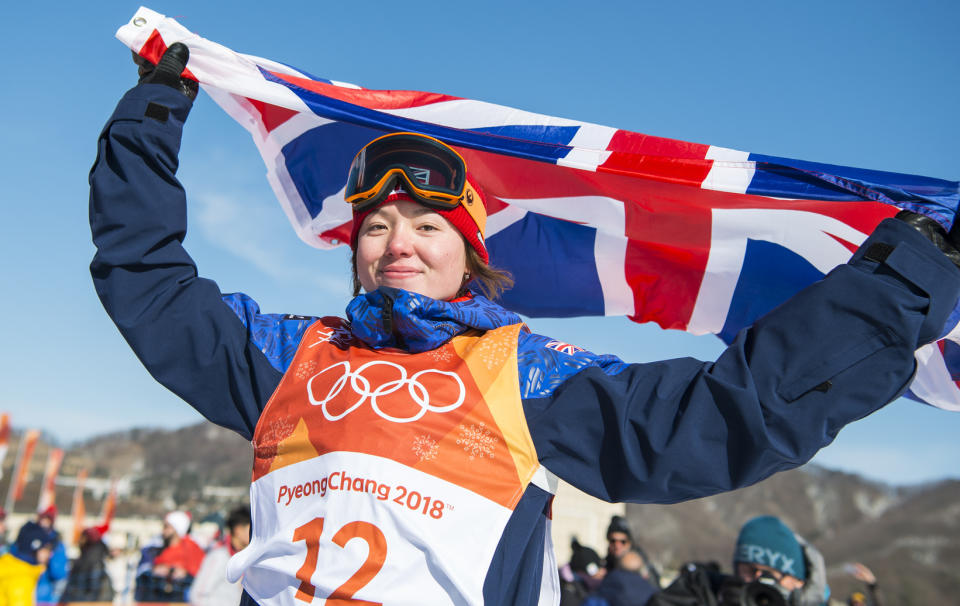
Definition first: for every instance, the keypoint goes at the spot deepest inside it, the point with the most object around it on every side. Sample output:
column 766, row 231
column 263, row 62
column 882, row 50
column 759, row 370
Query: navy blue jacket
column 655, row 432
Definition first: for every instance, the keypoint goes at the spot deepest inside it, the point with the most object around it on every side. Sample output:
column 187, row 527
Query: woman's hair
column 490, row 280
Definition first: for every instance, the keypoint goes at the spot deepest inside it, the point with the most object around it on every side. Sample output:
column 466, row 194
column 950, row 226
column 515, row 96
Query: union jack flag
column 589, row 219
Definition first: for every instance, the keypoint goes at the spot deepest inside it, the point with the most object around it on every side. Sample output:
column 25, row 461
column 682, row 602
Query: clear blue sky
column 856, row 82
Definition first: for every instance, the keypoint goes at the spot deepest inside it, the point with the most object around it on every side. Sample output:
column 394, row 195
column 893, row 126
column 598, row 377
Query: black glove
column 168, row 70
column 933, row 231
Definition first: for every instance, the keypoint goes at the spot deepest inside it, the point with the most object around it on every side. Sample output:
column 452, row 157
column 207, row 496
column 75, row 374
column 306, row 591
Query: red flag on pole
column 27, row 443
column 48, row 489
column 79, row 509
column 109, row 505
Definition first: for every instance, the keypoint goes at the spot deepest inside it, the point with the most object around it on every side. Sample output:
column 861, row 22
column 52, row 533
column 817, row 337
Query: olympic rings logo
column 361, row 387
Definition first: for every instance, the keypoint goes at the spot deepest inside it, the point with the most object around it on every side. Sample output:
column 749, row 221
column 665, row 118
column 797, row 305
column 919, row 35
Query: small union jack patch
column 564, row 347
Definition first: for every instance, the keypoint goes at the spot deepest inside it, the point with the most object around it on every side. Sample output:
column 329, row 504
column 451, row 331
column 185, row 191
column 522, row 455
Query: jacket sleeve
column 681, row 429
column 58, row 566
column 192, row 341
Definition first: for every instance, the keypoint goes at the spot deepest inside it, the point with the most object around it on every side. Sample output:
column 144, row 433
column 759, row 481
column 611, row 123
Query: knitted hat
column 50, row 513
column 619, row 524
column 30, row 539
column 92, row 534
column 584, row 559
column 179, row 520
column 768, row 541
column 470, row 222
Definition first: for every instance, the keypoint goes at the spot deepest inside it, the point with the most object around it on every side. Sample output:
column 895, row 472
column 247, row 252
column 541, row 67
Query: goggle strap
column 471, row 201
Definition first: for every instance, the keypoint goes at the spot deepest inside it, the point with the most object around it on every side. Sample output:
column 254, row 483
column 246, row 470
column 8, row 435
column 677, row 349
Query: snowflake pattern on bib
column 492, row 352
column 425, row 448
column 477, row 440
column 441, row 354
column 305, row 369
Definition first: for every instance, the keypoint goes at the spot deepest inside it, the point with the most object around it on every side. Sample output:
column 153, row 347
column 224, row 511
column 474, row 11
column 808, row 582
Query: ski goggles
column 430, row 171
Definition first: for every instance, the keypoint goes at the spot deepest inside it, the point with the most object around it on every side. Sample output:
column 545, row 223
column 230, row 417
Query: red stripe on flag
column 848, row 245
column 154, row 48
column 667, row 251
column 337, row 235
column 657, row 158
column 638, row 143
column 272, row 115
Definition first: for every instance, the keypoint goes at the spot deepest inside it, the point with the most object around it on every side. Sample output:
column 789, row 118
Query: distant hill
column 202, row 467
column 910, row 537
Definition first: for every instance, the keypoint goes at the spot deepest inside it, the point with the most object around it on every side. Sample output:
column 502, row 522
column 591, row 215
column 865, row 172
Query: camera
column 763, row 591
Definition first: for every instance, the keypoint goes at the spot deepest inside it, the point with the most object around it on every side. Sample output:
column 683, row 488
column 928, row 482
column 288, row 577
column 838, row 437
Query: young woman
column 407, row 453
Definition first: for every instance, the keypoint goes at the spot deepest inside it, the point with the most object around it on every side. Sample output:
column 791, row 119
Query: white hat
column 179, row 520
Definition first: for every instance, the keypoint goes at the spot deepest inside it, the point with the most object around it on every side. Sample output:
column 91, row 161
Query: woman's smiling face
column 403, row 244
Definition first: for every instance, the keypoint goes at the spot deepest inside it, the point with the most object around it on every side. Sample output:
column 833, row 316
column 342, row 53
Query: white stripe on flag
column 503, row 219
column 932, row 383
column 589, row 148
column 730, row 171
column 807, row 234
column 471, row 114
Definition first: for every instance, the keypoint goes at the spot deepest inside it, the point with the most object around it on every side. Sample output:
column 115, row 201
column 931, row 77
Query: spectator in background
column 176, row 564
column 210, row 587
column 21, row 568
column 88, row 580
column 51, row 582
column 624, row 585
column 864, row 574
column 767, row 548
column 768, row 557
column 581, row 575
column 620, row 542
column 181, row 556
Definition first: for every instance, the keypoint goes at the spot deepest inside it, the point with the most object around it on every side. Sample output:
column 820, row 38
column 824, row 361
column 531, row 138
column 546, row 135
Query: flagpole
column 109, row 507
column 48, row 487
column 78, row 511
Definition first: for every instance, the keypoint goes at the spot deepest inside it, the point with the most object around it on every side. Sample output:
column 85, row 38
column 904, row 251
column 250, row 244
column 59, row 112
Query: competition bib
column 383, row 477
